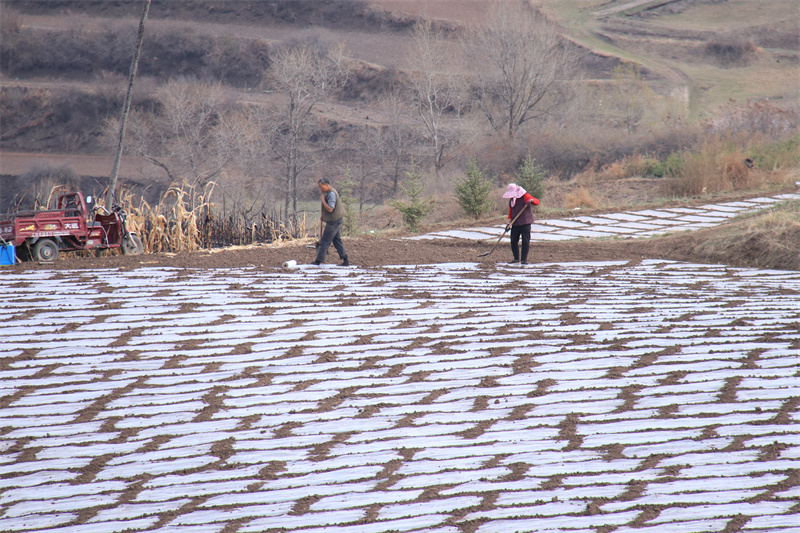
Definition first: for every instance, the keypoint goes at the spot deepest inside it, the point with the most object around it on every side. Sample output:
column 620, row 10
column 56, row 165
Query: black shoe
column 315, row 262
column 513, row 262
column 345, row 262
column 524, row 263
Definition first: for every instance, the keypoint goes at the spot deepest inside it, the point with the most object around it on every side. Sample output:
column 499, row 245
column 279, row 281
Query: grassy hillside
column 703, row 53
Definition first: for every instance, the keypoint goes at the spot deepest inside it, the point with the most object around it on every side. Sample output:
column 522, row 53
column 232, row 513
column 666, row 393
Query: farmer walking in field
column 520, row 217
column 332, row 216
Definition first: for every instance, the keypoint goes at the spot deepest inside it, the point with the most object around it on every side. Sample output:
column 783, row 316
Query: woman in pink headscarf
column 519, row 201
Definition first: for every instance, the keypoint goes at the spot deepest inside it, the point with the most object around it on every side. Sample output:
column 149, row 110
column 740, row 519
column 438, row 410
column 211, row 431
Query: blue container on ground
column 7, row 254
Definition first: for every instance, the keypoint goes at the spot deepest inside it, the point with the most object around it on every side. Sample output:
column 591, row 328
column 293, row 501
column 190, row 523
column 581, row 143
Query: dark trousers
column 331, row 234
column 523, row 231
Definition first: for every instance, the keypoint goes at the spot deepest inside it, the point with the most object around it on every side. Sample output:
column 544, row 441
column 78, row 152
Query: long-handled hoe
column 508, row 226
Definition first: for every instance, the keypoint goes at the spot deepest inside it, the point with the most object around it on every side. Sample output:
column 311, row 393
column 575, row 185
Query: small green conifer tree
column 417, row 207
column 473, row 191
column 531, row 176
column 345, row 188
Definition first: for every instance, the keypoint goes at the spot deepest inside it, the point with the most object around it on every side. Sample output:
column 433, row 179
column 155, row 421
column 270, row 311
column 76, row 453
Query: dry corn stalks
column 185, row 221
column 172, row 224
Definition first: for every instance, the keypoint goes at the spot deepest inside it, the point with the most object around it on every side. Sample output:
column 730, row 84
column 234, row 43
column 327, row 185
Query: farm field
column 615, row 384
column 595, row 389
column 460, row 397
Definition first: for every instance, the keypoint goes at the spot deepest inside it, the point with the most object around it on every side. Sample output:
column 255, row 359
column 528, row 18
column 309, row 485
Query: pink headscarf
column 514, row 191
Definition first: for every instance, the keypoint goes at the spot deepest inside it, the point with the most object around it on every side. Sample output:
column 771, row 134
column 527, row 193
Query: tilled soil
column 382, row 251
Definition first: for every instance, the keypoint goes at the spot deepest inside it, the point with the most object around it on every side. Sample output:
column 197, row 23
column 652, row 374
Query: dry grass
column 617, row 185
column 580, row 197
column 718, row 166
column 768, row 239
column 634, row 165
column 709, row 171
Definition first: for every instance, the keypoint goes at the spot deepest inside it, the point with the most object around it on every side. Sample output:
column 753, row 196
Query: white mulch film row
column 644, row 223
column 580, row 397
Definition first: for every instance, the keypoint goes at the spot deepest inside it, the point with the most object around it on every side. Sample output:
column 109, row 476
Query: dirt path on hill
column 385, row 49
column 96, row 166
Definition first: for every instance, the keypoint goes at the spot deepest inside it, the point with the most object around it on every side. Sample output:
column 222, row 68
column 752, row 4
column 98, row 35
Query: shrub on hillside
column 62, row 119
column 642, row 165
column 757, row 117
column 28, row 50
column 19, row 51
column 22, row 109
column 85, row 110
column 567, row 152
column 638, row 165
column 370, row 83
column 174, row 52
column 165, row 53
column 668, row 167
column 731, row 49
column 236, row 62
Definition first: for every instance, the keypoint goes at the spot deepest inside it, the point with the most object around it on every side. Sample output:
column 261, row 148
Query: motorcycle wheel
column 132, row 245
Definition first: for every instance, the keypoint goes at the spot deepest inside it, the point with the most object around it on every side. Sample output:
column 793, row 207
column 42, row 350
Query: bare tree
column 520, row 66
column 631, row 94
column 249, row 179
column 397, row 139
column 186, row 136
column 434, row 89
column 307, row 76
column 365, row 164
